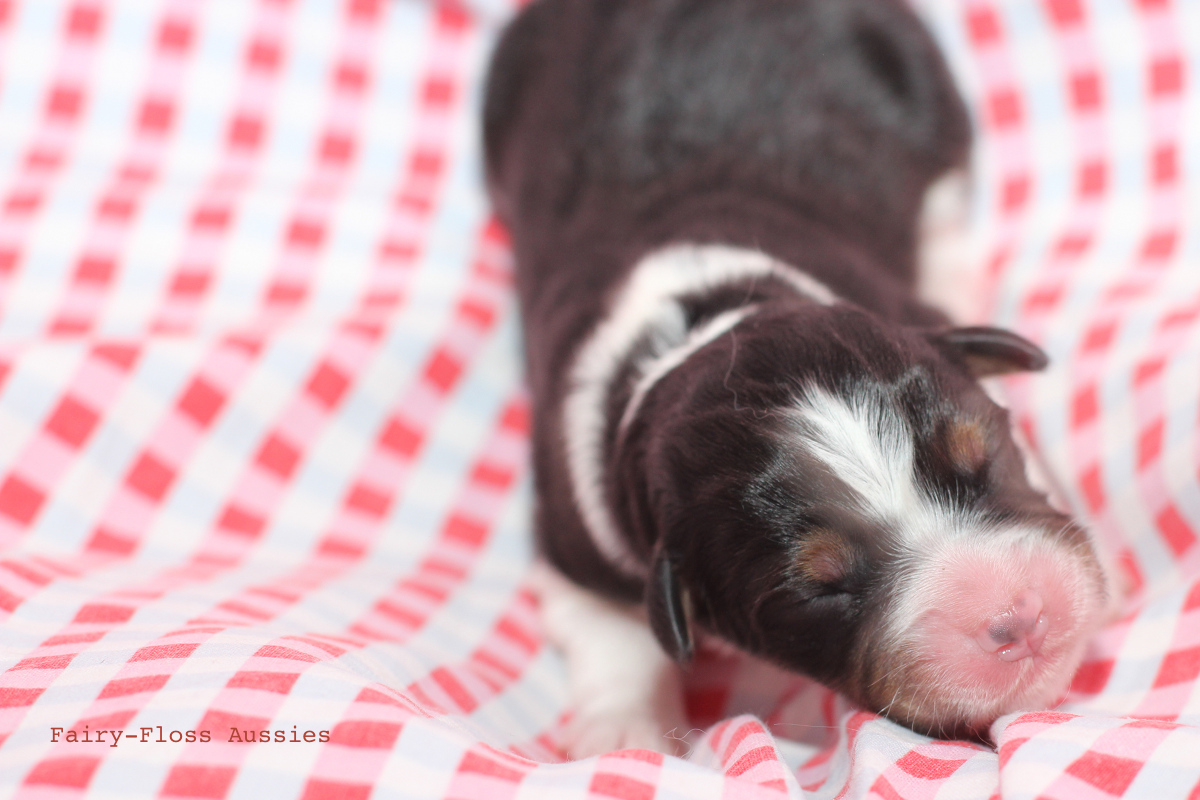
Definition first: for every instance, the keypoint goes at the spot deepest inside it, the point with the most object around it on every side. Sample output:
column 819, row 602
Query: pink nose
column 1017, row 632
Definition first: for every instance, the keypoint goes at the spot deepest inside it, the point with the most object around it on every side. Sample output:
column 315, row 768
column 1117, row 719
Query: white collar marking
column 648, row 303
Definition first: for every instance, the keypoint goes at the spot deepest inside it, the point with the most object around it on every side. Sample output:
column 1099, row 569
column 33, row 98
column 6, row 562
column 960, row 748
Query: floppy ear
column 992, row 351
column 668, row 608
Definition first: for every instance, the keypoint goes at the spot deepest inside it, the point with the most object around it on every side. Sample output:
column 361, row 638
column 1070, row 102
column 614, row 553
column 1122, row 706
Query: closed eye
column 836, row 601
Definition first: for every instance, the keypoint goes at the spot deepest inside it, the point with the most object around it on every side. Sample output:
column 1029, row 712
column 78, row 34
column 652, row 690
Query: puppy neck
column 676, row 301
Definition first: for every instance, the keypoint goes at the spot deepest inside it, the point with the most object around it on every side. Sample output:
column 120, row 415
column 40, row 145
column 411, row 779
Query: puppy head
column 842, row 498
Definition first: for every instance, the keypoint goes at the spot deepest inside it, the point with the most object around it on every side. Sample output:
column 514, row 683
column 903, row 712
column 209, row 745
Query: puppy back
column 599, row 114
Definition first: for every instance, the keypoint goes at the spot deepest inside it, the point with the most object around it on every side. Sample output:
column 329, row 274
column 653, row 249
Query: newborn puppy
column 745, row 422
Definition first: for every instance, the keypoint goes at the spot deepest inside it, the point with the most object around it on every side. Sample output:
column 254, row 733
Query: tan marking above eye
column 966, row 444
column 825, row 557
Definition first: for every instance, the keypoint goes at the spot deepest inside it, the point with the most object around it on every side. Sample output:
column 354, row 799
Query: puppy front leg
column 625, row 692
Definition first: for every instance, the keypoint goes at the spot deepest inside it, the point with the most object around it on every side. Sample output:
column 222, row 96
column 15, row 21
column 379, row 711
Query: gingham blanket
column 264, row 499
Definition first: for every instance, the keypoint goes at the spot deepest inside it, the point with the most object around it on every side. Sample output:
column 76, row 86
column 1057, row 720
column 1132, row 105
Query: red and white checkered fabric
column 262, row 432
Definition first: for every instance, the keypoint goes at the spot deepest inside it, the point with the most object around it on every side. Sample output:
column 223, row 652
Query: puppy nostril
column 1001, row 633
column 1017, row 632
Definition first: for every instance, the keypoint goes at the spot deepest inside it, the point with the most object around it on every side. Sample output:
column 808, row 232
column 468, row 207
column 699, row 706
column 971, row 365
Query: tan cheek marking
column 966, row 444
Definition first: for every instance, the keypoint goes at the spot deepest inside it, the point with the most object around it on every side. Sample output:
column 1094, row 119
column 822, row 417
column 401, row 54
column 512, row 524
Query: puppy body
column 743, row 416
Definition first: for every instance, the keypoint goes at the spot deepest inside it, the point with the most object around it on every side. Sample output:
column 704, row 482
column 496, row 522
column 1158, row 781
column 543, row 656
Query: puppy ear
column 992, row 351
column 668, row 608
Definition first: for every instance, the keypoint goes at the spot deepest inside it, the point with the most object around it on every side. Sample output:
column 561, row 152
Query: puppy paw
column 596, row 733
column 625, row 692
column 623, row 715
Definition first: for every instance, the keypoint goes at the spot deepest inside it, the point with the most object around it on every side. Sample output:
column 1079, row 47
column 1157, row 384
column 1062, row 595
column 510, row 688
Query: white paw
column 626, row 693
column 593, row 734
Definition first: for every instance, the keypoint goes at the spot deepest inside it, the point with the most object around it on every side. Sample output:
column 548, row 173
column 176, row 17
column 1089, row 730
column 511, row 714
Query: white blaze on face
column 868, row 446
column 960, row 581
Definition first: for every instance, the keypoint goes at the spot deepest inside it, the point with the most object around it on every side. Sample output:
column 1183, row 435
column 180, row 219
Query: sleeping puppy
column 746, row 425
